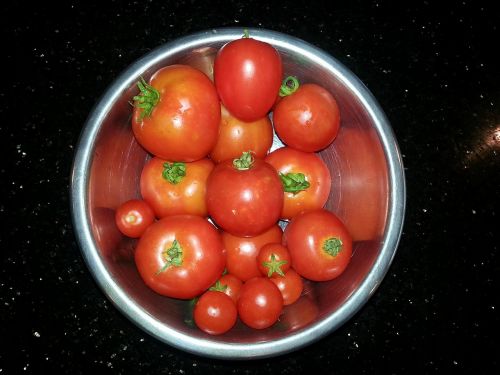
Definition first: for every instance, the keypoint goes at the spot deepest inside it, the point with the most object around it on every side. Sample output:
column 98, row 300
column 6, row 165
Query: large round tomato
column 177, row 115
column 306, row 180
column 180, row 256
column 308, row 119
column 173, row 188
column 244, row 196
column 247, row 75
column 237, row 136
column 319, row 245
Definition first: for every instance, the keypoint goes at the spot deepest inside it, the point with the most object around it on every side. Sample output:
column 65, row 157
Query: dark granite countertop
column 433, row 69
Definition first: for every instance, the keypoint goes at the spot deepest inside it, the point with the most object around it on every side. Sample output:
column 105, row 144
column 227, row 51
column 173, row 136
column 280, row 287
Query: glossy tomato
column 290, row 285
column 133, row 217
column 273, row 259
column 176, row 116
column 237, row 136
column 244, row 196
column 306, row 180
column 173, row 188
column 308, row 119
column 319, row 245
column 215, row 313
column 230, row 285
column 247, row 75
column 180, row 256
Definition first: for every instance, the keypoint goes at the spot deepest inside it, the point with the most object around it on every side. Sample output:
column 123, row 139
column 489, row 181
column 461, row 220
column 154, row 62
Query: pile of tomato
column 213, row 194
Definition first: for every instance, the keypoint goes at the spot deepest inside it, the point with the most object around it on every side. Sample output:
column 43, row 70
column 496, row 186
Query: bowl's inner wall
column 359, row 196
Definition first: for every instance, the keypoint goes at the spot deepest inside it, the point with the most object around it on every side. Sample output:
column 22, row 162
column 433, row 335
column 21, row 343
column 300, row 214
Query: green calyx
column 172, row 256
column 244, row 162
column 218, row 287
column 274, row 266
column 333, row 246
column 174, row 172
column 246, row 34
column 289, row 86
column 294, row 182
column 147, row 98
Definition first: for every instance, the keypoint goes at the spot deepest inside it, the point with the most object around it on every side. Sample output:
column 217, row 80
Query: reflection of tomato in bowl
column 367, row 192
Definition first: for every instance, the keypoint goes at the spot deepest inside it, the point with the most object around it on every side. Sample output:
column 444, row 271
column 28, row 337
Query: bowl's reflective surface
column 368, row 193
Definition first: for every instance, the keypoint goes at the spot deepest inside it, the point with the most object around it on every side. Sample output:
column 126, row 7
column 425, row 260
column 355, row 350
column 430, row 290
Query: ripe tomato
column 177, row 115
column 133, row 217
column 273, row 259
column 247, row 75
column 230, row 285
column 244, row 196
column 260, row 303
column 241, row 252
column 306, row 180
column 180, row 256
column 237, row 136
column 290, row 286
column 215, row 313
column 307, row 120
column 319, row 245
column 173, row 188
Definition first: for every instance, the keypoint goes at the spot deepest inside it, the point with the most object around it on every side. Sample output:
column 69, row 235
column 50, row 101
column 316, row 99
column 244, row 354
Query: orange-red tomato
column 133, row 217
column 230, row 285
column 290, row 286
column 215, row 313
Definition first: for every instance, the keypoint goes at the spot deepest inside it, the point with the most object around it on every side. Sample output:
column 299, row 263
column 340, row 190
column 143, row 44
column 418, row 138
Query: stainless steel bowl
column 368, row 193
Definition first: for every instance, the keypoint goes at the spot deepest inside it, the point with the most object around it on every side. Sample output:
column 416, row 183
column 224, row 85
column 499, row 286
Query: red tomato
column 306, row 180
column 290, row 286
column 133, row 217
column 176, row 116
column 319, row 245
column 273, row 259
column 180, row 256
column 230, row 285
column 247, row 75
column 307, row 120
column 173, row 188
column 237, row 136
column 241, row 252
column 260, row 303
column 215, row 313
column 244, row 196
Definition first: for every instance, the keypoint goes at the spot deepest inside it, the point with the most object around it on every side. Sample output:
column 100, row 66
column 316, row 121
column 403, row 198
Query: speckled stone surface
column 433, row 70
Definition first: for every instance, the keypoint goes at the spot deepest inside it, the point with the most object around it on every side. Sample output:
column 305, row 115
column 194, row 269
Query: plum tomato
column 273, row 259
column 133, row 217
column 230, row 285
column 319, row 245
column 290, row 285
column 215, row 313
column 177, row 115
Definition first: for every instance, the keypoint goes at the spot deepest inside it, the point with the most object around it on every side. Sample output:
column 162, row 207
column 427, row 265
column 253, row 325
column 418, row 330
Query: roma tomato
column 241, row 252
column 308, row 119
column 215, row 313
column 273, row 259
column 133, row 217
column 173, row 188
column 306, row 180
column 260, row 303
column 230, row 285
column 247, row 75
column 319, row 245
column 177, row 115
column 237, row 136
column 180, row 256
column 290, row 286
column 244, row 196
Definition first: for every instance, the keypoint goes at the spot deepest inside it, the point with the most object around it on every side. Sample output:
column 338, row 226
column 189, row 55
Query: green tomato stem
column 294, row 182
column 244, row 162
column 174, row 173
column 246, row 34
column 172, row 255
column 274, row 266
column 289, row 86
column 333, row 246
column 147, row 98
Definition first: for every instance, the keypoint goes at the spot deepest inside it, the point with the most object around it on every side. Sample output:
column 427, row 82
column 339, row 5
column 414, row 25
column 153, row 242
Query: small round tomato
column 260, row 303
column 174, row 188
column 319, row 245
column 215, row 313
column 230, row 285
column 237, row 136
column 305, row 177
column 241, row 252
column 244, row 196
column 290, row 286
column 273, row 259
column 176, row 116
column 133, row 217
column 247, row 75
column 180, row 256
column 308, row 119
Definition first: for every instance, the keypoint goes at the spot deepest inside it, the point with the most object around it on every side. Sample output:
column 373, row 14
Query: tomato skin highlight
column 215, row 313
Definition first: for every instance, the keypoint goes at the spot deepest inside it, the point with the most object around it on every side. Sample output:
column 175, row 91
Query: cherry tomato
column 215, row 313
column 177, row 115
column 306, row 180
column 173, row 188
column 133, row 217
column 319, row 245
column 308, row 119
column 260, row 303
column 244, row 196
column 247, row 75
column 290, row 286
column 180, row 256
column 241, row 252
column 237, row 136
column 273, row 259
column 230, row 285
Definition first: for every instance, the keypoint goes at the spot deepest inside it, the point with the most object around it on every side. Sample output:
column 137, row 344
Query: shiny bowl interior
column 368, row 193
